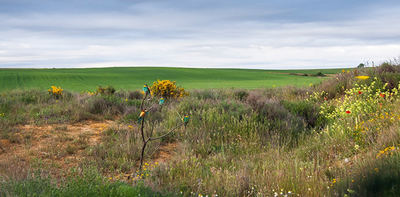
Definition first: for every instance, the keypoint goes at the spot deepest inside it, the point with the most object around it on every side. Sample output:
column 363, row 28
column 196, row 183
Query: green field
column 134, row 78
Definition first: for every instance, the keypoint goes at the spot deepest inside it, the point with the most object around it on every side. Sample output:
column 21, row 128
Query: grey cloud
column 254, row 34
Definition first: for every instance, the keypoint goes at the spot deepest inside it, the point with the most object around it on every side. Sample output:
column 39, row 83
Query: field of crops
column 133, row 78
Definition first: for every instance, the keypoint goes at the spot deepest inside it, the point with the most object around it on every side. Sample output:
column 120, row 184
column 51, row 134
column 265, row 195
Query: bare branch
column 144, row 98
column 159, row 137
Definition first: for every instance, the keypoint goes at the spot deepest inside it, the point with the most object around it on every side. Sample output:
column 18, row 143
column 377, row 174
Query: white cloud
column 163, row 36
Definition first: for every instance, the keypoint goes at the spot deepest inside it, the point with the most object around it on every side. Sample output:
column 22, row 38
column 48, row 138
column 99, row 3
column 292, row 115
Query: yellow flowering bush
column 55, row 91
column 167, row 89
column 91, row 93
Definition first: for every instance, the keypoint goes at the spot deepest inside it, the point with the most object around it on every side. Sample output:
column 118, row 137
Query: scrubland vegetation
column 337, row 138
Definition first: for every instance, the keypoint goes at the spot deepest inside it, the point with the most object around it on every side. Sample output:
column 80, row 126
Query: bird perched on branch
column 161, row 102
column 185, row 120
column 146, row 89
column 141, row 115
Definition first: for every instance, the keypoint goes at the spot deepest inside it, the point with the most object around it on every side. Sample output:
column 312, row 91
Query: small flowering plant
column 317, row 97
column 363, row 110
column 387, row 151
column 55, row 91
column 360, row 101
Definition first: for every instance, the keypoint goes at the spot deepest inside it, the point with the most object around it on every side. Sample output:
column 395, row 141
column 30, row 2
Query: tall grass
column 79, row 183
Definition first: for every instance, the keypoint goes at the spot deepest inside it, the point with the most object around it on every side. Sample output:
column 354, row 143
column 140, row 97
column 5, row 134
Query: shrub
column 108, row 90
column 320, row 74
column 56, row 91
column 308, row 111
column 241, row 95
column 104, row 105
column 282, row 125
column 167, row 89
column 206, row 94
column 361, row 65
column 134, row 95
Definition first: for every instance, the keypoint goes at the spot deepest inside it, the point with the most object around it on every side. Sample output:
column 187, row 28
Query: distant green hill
column 134, row 77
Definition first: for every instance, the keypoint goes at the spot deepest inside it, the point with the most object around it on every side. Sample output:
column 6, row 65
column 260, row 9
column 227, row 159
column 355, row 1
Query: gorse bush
column 55, row 91
column 167, row 89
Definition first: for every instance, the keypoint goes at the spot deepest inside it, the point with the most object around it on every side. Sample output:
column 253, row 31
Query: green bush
column 241, row 95
column 108, row 90
column 308, row 111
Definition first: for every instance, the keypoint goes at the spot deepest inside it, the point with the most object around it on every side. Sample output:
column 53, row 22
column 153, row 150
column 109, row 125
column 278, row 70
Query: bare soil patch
column 57, row 147
column 165, row 152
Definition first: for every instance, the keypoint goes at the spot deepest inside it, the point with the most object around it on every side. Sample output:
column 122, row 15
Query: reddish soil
column 55, row 146
column 166, row 152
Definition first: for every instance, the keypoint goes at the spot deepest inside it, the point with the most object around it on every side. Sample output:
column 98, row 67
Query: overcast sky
column 267, row 34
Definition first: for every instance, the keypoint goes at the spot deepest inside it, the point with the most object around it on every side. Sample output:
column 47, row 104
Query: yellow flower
column 55, row 90
column 362, row 77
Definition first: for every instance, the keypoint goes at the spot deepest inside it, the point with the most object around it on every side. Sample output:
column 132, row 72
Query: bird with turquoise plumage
column 146, row 89
column 186, row 119
column 162, row 101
